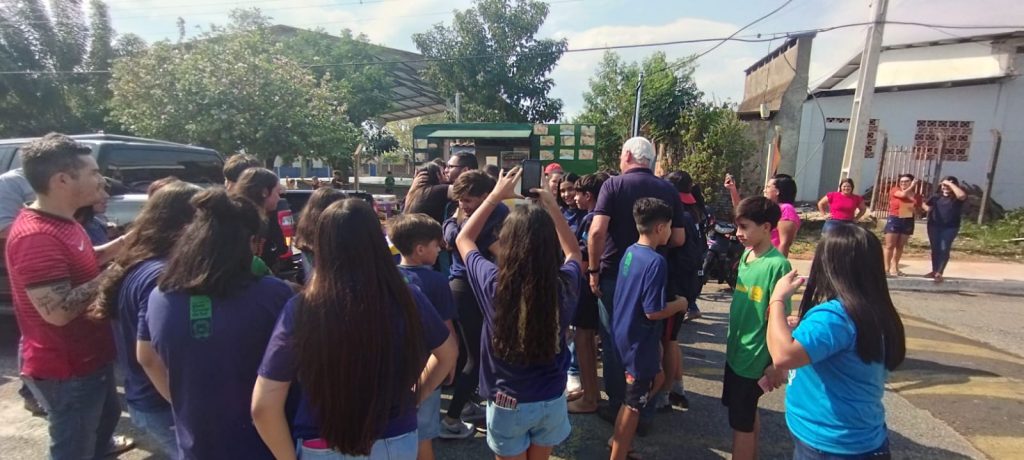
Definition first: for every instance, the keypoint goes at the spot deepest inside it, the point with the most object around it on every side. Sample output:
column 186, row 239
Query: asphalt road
column 959, row 395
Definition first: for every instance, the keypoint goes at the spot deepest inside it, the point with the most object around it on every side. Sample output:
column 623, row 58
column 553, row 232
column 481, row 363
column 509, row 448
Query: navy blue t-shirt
column 132, row 304
column 574, row 216
column 526, row 383
column 280, row 364
column 583, row 232
column 639, row 290
column 435, row 286
column 618, row 194
column 487, row 237
column 946, row 211
column 212, row 354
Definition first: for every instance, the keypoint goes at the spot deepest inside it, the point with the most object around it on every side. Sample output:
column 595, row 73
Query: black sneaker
column 679, row 400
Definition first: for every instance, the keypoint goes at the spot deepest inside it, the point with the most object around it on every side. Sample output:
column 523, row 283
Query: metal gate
column 924, row 162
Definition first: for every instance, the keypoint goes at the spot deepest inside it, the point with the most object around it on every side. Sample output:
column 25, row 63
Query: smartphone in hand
column 531, row 178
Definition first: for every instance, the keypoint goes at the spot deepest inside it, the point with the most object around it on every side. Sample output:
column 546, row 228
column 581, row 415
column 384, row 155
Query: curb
column 974, row 286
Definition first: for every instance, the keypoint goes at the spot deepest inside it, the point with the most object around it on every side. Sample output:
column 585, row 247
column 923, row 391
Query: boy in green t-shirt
column 748, row 370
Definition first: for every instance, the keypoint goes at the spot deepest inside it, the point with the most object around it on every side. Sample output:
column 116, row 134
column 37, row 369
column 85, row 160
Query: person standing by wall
column 904, row 201
column 842, row 206
column 944, row 211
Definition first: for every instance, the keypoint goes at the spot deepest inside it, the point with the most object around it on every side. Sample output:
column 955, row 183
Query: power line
column 741, row 29
column 575, row 50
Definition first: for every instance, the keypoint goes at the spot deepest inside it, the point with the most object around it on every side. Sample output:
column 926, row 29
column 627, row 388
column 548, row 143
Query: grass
column 987, row 241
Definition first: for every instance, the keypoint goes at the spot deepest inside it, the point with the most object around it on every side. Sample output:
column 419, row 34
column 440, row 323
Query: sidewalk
column 980, row 277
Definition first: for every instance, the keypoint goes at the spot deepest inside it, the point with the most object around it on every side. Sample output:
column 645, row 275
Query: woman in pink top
column 843, row 206
column 781, row 188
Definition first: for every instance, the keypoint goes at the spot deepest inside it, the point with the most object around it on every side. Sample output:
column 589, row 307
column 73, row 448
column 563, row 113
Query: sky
column 596, row 23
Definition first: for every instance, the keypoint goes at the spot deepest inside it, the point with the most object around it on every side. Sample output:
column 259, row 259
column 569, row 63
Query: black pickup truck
column 133, row 163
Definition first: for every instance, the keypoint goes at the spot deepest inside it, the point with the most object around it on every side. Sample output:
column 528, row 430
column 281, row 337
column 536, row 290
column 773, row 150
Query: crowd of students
column 223, row 360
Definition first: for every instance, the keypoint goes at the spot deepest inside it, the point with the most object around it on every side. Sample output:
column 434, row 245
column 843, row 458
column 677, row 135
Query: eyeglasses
column 453, row 166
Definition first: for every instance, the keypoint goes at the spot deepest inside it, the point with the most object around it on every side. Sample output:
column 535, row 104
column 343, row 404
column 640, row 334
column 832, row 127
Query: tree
column 669, row 91
column 50, row 94
column 377, row 139
column 232, row 88
column 366, row 89
column 491, row 56
column 713, row 142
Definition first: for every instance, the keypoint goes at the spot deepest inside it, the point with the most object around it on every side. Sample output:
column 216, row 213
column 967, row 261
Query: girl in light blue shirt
column 849, row 337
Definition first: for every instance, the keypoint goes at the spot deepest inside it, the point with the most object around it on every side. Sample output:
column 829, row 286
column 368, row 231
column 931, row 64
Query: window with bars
column 872, row 142
column 954, row 137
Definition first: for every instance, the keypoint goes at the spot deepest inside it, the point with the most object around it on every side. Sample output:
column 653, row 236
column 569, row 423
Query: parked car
column 133, row 163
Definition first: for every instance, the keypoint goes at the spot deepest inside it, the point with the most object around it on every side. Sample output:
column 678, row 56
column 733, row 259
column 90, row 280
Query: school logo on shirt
column 756, row 293
column 626, row 262
column 200, row 313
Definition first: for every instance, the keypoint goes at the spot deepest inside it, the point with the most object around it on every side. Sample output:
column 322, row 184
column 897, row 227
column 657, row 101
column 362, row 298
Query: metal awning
column 481, row 133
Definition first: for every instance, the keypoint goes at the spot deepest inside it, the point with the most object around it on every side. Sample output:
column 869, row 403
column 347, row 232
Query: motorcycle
column 722, row 260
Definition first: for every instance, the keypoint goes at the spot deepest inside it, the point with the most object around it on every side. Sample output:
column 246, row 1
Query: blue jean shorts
column 899, row 225
column 401, row 447
column 803, row 451
column 428, row 417
column 510, row 432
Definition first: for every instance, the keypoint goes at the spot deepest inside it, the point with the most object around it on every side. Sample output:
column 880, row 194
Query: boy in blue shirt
column 639, row 316
column 418, row 239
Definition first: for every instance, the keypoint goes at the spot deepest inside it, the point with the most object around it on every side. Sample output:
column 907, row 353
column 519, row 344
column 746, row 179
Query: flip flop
column 574, row 395
column 577, row 411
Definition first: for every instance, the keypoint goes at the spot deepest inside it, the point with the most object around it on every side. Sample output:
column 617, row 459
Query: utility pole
column 458, row 107
column 856, row 138
column 636, row 112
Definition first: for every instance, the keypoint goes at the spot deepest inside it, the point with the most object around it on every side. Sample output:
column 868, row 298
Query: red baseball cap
column 552, row 167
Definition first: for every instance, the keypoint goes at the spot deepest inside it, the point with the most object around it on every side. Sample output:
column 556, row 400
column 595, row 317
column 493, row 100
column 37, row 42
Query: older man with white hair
column 612, row 231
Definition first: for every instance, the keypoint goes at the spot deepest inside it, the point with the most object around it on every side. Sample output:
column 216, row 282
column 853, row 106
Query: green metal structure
column 506, row 144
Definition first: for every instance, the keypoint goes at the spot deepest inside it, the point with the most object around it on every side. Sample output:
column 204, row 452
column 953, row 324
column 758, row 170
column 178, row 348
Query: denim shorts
column 401, row 447
column 899, row 225
column 428, row 417
column 510, row 432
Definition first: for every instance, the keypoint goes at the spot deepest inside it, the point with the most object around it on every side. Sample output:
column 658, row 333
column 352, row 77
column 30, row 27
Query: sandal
column 938, row 278
column 930, row 275
column 574, row 395
column 119, row 445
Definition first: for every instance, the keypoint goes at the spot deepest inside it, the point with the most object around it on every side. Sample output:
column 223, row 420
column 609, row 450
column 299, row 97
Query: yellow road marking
column 998, row 447
column 944, row 347
column 994, row 387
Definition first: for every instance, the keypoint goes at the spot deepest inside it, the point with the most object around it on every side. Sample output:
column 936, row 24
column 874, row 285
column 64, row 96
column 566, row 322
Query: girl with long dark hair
column 944, row 211
column 364, row 346
column 528, row 300
column 124, row 298
column 263, row 188
column 206, row 327
column 781, row 189
column 305, row 232
column 848, row 339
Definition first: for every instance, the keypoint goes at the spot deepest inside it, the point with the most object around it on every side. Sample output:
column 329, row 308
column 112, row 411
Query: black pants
column 469, row 326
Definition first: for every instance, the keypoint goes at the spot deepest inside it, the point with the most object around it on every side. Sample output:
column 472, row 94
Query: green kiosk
column 507, row 144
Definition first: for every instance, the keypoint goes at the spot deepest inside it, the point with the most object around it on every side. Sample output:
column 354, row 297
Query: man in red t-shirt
column 54, row 272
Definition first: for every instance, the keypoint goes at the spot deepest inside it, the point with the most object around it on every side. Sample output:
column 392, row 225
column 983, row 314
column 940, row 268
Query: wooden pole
column 880, row 171
column 990, row 177
column 358, row 165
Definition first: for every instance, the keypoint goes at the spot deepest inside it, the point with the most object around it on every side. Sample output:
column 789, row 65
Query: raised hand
column 507, row 180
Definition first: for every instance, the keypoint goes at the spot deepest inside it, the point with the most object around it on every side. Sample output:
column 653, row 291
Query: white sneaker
column 456, row 430
column 573, row 384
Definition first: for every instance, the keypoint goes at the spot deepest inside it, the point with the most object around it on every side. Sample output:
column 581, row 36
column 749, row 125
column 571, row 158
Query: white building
column 960, row 88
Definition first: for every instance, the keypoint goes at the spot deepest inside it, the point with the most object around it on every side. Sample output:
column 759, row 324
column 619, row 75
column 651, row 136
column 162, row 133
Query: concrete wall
column 991, row 106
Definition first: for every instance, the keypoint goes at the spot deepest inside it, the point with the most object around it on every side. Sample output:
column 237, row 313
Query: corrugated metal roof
column 960, row 59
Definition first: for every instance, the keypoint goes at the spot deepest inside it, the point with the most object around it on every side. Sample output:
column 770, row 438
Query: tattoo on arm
column 62, row 301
